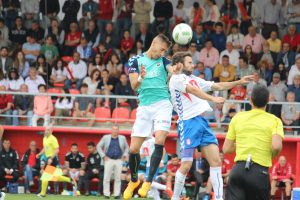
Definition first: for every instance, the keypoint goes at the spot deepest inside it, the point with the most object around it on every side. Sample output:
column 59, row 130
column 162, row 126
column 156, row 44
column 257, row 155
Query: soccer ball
column 182, row 34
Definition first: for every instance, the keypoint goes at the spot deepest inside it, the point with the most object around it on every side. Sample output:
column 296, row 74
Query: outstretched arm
column 229, row 85
column 203, row 95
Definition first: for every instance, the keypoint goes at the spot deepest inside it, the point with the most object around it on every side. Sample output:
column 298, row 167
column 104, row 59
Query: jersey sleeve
column 179, row 82
column 205, row 85
column 278, row 128
column 133, row 65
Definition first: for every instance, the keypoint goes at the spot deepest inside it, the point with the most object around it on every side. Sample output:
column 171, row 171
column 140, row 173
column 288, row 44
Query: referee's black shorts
column 253, row 184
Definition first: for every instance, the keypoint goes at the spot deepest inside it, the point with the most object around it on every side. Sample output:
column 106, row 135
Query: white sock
column 217, row 182
column 155, row 193
column 178, row 185
column 158, row 186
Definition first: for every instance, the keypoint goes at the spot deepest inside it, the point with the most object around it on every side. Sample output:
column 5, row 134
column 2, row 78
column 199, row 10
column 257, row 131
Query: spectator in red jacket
column 239, row 92
column 172, row 168
column 6, row 103
column 281, row 176
column 127, row 44
column 105, row 13
column 293, row 38
column 72, row 39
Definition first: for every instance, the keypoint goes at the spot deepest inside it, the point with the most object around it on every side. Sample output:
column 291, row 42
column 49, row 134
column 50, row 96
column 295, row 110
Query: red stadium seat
column 74, row 91
column 67, row 59
column 121, row 114
column 54, row 91
column 133, row 115
column 59, row 85
column 102, row 114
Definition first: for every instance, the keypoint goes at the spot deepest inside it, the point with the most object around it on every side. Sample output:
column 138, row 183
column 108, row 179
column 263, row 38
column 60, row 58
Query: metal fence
column 129, row 121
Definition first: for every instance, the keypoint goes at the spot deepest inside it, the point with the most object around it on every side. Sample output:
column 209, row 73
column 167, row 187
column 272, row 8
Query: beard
column 188, row 73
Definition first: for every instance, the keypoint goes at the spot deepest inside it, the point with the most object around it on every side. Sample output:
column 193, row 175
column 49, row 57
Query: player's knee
column 216, row 162
column 185, row 167
column 134, row 150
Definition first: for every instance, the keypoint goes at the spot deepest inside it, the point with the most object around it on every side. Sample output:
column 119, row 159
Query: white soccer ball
column 182, row 34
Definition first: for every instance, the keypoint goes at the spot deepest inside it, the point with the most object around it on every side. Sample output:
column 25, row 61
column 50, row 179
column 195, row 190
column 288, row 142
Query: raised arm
column 203, row 95
column 229, row 85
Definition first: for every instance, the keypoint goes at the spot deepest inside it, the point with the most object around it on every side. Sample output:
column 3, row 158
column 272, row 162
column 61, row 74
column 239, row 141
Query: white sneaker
column 2, row 196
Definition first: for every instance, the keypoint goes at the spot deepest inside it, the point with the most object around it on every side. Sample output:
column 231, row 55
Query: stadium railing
column 125, row 117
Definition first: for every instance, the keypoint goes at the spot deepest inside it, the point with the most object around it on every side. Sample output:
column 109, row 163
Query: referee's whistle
column 248, row 162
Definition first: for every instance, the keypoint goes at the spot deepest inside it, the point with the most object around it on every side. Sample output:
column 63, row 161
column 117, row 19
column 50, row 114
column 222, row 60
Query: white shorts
column 152, row 118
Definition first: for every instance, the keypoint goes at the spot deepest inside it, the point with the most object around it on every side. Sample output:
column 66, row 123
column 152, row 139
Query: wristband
column 140, row 79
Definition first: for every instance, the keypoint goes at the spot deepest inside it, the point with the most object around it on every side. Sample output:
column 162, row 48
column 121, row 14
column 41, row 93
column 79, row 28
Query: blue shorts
column 194, row 133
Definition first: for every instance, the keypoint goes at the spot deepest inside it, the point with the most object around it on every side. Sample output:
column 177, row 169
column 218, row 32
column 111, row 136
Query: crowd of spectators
column 91, row 54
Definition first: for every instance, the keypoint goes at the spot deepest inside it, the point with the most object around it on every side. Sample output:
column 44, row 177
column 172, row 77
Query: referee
column 255, row 136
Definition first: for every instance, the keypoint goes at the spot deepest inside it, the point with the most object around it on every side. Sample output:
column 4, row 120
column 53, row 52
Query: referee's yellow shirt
column 252, row 131
column 50, row 144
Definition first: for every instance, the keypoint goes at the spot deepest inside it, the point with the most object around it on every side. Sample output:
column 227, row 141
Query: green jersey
column 154, row 87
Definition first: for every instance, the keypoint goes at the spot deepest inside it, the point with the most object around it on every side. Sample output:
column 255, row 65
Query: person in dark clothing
column 71, row 9
column 9, row 160
column 36, row 31
column 10, row 9
column 94, row 169
column 110, row 37
column 23, row 106
column 218, row 37
column 31, row 165
column 200, row 171
column 163, row 11
column 145, row 36
column 91, row 34
column 74, row 165
column 18, row 34
column 124, row 20
column 124, row 88
column 49, row 8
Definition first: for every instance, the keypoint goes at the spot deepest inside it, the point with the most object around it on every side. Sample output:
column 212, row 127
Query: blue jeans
column 29, row 173
column 123, row 24
column 15, row 119
column 101, row 23
column 68, row 84
column 8, row 120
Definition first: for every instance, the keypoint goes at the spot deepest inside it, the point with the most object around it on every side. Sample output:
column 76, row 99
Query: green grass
column 50, row 197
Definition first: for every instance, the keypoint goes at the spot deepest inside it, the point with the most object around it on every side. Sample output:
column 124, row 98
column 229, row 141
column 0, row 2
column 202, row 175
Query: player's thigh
column 143, row 124
column 186, row 159
column 212, row 154
column 162, row 116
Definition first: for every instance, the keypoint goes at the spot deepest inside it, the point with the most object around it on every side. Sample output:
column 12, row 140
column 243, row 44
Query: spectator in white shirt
column 232, row 53
column 59, row 73
column 290, row 113
column 295, row 70
column 236, row 38
column 77, row 71
column 33, row 81
column 92, row 81
column 63, row 107
column 14, row 80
